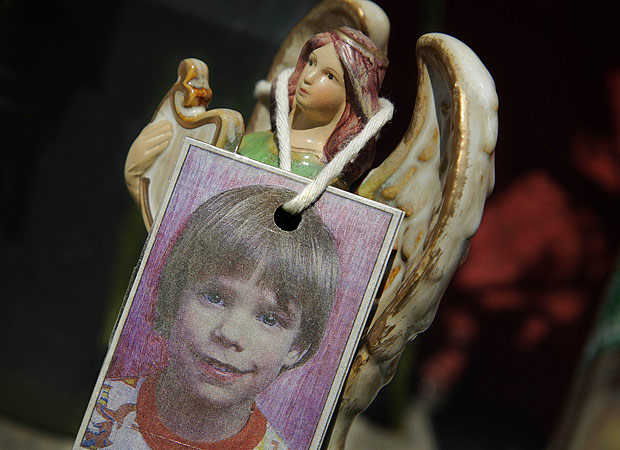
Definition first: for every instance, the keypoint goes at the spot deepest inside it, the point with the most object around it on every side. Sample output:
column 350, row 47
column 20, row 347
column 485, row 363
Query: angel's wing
column 440, row 175
column 362, row 15
column 441, row 172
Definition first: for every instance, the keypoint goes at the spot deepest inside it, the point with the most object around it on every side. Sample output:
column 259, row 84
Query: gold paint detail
column 393, row 274
column 392, row 191
column 381, row 174
column 194, row 96
column 430, row 149
column 145, row 206
column 408, row 209
column 405, row 250
column 418, row 239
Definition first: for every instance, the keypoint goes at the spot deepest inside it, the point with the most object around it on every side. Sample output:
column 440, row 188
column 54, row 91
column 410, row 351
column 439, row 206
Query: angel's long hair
column 364, row 69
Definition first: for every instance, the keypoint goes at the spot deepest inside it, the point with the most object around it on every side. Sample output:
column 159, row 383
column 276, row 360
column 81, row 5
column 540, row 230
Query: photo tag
column 241, row 321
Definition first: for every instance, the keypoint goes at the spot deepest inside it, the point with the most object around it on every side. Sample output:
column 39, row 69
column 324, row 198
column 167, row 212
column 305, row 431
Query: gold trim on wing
column 145, row 206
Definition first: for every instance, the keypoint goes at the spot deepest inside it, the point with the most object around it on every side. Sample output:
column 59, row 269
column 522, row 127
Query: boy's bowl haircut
column 234, row 234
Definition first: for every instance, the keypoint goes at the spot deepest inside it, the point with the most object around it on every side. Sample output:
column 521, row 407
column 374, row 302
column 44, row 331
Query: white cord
column 314, row 189
column 262, row 89
column 282, row 127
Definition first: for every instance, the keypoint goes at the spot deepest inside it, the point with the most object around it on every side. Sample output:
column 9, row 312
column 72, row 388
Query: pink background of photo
column 294, row 402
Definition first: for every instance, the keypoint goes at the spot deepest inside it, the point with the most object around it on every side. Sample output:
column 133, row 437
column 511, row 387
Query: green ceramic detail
column 261, row 146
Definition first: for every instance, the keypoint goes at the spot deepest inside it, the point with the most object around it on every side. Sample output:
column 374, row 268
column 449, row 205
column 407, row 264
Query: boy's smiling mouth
column 218, row 370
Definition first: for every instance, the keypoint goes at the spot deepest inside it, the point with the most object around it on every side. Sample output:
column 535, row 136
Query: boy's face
column 231, row 340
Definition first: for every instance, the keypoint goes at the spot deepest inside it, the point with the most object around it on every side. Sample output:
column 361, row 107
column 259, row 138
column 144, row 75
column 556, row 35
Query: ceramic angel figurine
column 440, row 173
column 332, row 93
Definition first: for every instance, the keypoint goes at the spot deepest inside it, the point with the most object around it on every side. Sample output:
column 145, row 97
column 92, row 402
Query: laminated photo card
column 239, row 325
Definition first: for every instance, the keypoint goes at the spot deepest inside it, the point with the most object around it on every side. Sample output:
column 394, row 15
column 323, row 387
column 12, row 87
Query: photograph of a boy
column 240, row 301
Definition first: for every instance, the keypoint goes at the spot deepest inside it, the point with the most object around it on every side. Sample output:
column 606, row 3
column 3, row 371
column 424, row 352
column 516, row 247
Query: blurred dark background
column 79, row 80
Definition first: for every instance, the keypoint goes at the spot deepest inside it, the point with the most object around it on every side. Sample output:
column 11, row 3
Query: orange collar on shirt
column 158, row 437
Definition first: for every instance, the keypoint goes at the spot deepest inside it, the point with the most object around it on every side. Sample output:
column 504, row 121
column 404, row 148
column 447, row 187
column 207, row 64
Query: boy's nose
column 229, row 333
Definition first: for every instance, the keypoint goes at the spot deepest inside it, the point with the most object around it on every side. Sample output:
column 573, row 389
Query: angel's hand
column 149, row 144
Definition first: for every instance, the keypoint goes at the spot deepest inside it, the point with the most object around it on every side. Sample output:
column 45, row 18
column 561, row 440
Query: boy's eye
column 269, row 320
column 330, row 76
column 310, row 62
column 213, row 299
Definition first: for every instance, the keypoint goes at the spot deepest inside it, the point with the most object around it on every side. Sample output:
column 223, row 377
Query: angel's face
column 320, row 92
